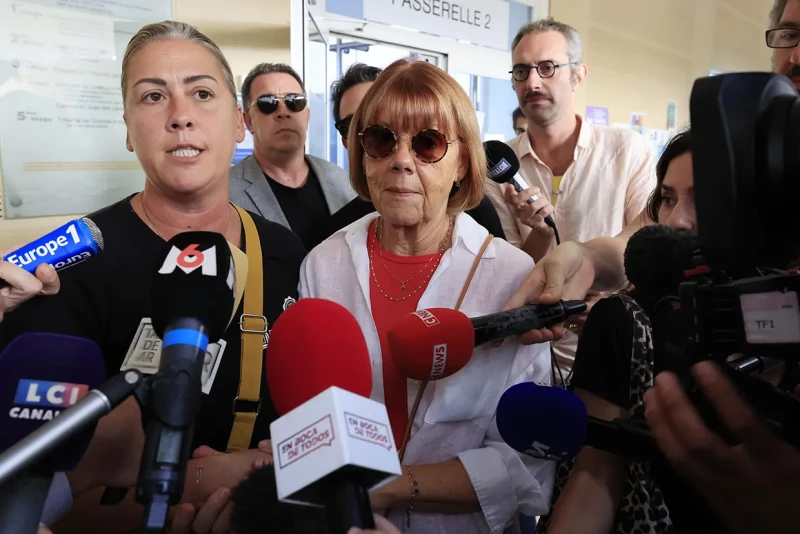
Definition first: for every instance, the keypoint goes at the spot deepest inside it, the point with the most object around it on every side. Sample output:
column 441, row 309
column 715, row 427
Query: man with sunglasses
column 279, row 181
column 592, row 180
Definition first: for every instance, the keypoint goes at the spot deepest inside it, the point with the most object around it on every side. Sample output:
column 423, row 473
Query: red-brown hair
column 412, row 96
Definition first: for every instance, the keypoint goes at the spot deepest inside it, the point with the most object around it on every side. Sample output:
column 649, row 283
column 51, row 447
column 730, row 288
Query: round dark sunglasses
column 429, row 146
column 268, row 104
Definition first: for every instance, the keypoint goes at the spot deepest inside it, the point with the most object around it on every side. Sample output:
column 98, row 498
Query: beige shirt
column 606, row 187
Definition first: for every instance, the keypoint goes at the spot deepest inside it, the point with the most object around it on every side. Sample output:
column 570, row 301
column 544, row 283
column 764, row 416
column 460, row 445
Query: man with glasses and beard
column 592, row 180
column 279, row 181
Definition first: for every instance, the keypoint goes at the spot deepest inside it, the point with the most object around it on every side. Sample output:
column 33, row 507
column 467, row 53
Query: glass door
column 315, row 67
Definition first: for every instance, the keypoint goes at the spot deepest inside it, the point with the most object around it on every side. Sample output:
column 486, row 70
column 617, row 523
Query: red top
column 389, row 270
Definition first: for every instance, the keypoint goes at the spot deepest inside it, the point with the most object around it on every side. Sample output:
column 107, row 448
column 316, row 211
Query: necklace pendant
column 402, row 287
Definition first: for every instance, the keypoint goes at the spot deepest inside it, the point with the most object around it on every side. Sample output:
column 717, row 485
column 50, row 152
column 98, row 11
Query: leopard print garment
column 642, row 509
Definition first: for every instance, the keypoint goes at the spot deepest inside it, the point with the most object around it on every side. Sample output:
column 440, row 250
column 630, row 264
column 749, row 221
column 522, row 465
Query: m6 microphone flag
column 332, row 443
column 192, row 298
column 435, row 343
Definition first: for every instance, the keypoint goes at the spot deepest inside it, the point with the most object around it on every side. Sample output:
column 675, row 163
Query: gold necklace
column 438, row 256
column 378, row 228
column 152, row 226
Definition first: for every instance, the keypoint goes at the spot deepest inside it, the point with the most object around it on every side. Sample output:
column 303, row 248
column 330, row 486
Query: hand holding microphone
column 532, row 207
column 18, row 285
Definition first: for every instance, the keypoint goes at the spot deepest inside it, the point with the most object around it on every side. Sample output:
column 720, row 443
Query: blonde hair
column 414, row 95
column 167, row 30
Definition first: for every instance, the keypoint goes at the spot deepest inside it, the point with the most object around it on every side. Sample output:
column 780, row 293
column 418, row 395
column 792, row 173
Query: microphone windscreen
column 502, row 161
column 549, row 418
column 41, row 375
column 196, row 281
column 314, row 345
column 241, row 267
column 431, row 344
column 256, row 509
column 656, row 258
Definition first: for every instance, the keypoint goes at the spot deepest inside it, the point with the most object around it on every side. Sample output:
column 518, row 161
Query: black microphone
column 520, row 320
column 40, row 376
column 192, row 298
column 504, row 168
column 256, row 508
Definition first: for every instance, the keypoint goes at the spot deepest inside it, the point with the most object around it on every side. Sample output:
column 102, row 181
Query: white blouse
column 455, row 418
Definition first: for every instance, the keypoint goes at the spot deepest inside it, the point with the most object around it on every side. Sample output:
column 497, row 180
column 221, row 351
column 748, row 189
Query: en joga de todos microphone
column 192, row 298
column 332, row 443
column 435, row 343
column 41, row 375
column 504, row 169
column 64, row 247
column 551, row 423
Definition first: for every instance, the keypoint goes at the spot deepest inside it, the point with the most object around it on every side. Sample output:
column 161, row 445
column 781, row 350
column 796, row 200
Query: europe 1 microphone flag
column 435, row 343
column 41, row 375
column 64, row 247
column 192, row 298
column 332, row 443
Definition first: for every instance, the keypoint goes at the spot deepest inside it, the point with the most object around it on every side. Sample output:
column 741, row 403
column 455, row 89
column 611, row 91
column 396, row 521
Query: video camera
column 742, row 295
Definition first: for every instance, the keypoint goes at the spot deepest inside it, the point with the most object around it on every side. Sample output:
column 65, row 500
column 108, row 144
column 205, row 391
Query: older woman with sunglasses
column 416, row 153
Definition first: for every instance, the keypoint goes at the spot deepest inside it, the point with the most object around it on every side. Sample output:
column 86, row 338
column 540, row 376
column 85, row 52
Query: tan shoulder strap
column 253, row 325
column 421, row 391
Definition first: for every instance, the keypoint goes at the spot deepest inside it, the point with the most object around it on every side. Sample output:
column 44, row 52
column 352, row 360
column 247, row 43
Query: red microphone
column 431, row 344
column 314, row 345
column 435, row 343
column 332, row 443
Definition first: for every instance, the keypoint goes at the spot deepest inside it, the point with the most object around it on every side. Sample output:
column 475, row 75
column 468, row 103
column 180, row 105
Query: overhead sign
column 483, row 22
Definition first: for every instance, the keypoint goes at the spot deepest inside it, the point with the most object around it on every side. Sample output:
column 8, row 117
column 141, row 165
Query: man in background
column 519, row 121
column 592, row 180
column 279, row 181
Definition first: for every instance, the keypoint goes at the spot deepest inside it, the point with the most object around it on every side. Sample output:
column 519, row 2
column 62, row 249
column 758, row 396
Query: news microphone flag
column 64, row 247
column 435, row 343
column 40, row 376
column 335, row 443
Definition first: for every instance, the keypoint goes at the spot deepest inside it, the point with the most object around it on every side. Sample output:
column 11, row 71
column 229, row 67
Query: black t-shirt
column 305, row 208
column 105, row 298
column 484, row 214
column 602, row 367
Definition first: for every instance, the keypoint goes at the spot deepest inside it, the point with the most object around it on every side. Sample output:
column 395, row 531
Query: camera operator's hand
column 23, row 286
column 752, row 487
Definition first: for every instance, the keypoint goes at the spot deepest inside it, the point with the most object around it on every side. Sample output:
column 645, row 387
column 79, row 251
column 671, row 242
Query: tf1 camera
column 742, row 294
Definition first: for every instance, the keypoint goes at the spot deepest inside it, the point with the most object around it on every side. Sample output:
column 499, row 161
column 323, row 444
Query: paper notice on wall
column 62, row 133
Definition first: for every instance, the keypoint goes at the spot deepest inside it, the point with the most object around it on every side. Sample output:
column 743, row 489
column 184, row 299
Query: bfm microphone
column 332, row 443
column 64, row 247
column 192, row 297
column 504, row 168
column 40, row 375
column 551, row 423
column 435, row 343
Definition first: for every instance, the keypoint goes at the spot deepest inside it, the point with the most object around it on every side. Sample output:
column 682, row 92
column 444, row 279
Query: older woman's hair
column 411, row 96
column 679, row 145
column 172, row 30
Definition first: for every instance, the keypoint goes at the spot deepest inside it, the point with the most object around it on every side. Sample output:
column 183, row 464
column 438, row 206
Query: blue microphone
column 64, row 247
column 552, row 423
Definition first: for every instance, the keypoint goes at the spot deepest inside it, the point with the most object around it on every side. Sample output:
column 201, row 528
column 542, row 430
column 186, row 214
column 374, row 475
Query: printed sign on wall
column 483, row 22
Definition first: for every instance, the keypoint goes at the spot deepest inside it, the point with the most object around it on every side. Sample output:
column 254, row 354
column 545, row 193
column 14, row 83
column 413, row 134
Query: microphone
column 504, row 168
column 656, row 258
column 64, row 247
column 256, row 508
column 332, row 443
column 551, row 423
column 435, row 343
column 192, row 296
column 40, row 375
